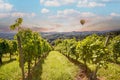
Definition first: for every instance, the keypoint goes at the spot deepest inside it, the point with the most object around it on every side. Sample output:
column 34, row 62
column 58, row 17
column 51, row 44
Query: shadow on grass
column 36, row 71
column 115, row 62
column 83, row 72
column 6, row 62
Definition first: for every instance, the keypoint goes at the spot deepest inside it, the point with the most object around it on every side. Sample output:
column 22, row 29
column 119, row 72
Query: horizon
column 61, row 15
column 65, row 32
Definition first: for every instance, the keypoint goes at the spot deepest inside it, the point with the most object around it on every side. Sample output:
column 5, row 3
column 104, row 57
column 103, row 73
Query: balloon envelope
column 82, row 22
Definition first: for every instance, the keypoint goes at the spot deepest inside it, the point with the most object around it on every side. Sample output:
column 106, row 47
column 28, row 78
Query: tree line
column 7, row 46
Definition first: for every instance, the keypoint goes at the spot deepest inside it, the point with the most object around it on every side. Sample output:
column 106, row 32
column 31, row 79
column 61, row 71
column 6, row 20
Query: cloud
column 115, row 14
column 42, row 29
column 45, row 25
column 68, row 12
column 72, row 14
column 56, row 3
column 86, row 3
column 108, row 24
column 52, row 3
column 21, row 14
column 33, row 14
column 44, row 10
column 70, row 20
column 68, row 1
column 4, row 6
column 39, row 28
column 41, row 1
column 17, row 14
column 4, row 15
column 110, row 1
column 106, row 0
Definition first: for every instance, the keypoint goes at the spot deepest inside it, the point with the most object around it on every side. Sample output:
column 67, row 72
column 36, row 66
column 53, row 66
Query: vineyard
column 30, row 57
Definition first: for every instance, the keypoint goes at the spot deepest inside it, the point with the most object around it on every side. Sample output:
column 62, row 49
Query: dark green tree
column 3, row 48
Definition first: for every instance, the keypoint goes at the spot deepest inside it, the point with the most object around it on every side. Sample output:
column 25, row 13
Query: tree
column 110, row 35
column 30, row 45
column 27, row 47
column 33, row 46
column 67, row 47
column 12, row 47
column 37, row 48
column 82, row 49
column 71, row 47
column 17, row 25
column 92, row 51
column 115, row 44
column 3, row 48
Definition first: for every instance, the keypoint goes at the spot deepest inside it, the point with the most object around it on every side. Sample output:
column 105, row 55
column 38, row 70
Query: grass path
column 58, row 67
column 10, row 71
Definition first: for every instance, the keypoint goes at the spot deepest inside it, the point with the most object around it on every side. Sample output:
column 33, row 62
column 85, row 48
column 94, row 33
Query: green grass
column 58, row 67
column 111, row 73
column 10, row 71
column 54, row 67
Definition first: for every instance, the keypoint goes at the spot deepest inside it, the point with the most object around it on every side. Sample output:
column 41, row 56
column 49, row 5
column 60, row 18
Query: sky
column 61, row 15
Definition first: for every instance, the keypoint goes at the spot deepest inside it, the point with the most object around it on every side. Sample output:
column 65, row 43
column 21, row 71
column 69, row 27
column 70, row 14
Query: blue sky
column 61, row 15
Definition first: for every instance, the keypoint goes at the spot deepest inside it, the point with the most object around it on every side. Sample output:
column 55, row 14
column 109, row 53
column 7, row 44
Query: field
column 59, row 40
column 55, row 67
column 112, row 73
column 10, row 69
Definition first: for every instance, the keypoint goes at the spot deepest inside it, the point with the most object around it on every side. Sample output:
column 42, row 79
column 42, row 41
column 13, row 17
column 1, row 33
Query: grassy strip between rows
column 111, row 73
column 10, row 71
column 58, row 67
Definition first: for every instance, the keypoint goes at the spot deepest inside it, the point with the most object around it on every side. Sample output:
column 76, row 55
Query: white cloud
column 44, row 10
column 86, row 3
column 52, row 3
column 41, row 1
column 68, row 1
column 94, row 4
column 67, row 12
column 56, row 2
column 16, row 14
column 33, row 14
column 21, row 14
column 4, row 15
column 106, row 0
column 87, row 14
column 115, row 14
column 71, row 17
column 72, row 14
column 5, row 6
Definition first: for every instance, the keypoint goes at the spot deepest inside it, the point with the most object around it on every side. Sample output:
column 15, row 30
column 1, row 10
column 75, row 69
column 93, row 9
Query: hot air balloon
column 82, row 21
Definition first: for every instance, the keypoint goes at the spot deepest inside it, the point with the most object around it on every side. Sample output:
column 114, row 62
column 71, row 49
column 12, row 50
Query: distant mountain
column 7, row 35
column 51, row 36
column 63, row 35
